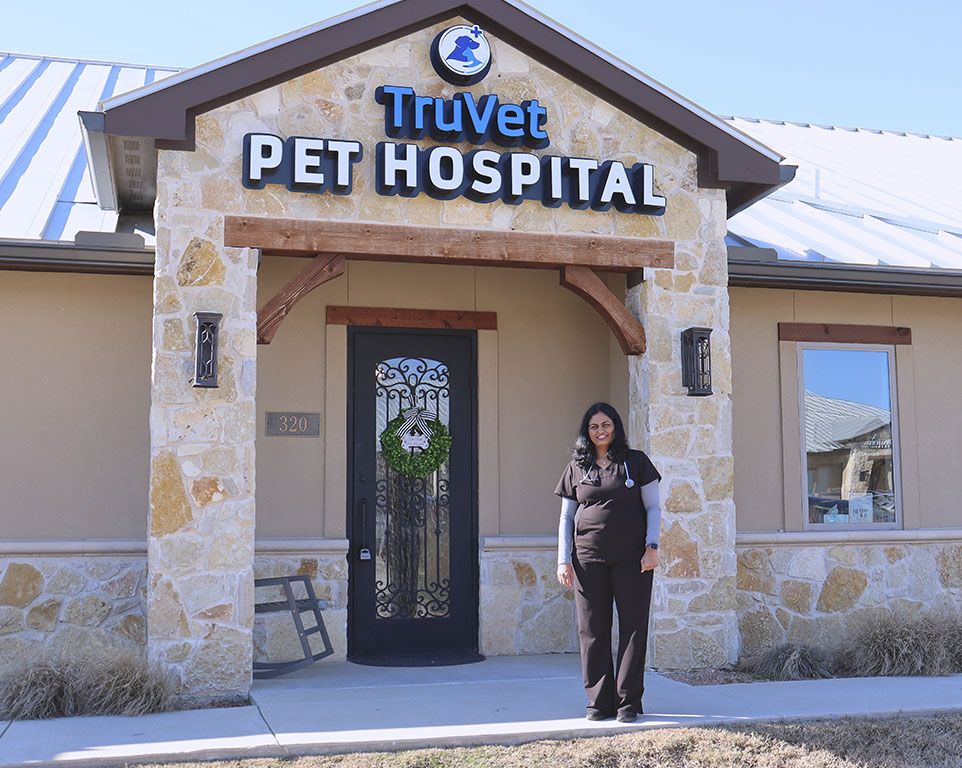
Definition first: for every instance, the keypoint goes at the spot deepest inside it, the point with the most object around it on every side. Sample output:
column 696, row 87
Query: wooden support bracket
column 626, row 327
column 323, row 268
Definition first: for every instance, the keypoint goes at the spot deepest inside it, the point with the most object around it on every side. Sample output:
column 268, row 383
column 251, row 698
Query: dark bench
column 295, row 606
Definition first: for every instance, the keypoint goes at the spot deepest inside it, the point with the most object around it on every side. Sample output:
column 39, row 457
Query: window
column 849, row 436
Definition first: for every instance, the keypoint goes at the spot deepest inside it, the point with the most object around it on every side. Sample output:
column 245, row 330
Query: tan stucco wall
column 553, row 358
column 74, row 398
column 934, row 411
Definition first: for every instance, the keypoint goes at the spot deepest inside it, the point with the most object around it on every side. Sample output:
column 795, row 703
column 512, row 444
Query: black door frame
column 474, row 609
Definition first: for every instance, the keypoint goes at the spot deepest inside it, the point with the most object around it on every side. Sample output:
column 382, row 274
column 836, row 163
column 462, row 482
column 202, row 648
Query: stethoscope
column 629, row 483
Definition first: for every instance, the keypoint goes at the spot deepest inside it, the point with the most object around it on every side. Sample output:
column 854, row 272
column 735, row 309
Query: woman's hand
column 566, row 575
column 649, row 560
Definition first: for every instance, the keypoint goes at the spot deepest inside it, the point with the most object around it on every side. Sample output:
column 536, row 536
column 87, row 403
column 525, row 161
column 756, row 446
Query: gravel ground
column 870, row 742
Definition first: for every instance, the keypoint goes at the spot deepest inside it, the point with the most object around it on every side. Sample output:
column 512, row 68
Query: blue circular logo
column 461, row 54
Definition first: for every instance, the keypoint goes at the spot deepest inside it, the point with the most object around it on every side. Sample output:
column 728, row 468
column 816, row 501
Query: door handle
column 364, row 553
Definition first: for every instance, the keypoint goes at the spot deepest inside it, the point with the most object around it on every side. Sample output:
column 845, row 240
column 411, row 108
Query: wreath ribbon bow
column 414, row 418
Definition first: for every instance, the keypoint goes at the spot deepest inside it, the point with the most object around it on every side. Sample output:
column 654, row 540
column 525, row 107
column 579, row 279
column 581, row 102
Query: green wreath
column 418, row 464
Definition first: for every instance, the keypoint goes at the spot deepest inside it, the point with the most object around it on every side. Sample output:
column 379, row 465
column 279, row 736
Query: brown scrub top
column 611, row 523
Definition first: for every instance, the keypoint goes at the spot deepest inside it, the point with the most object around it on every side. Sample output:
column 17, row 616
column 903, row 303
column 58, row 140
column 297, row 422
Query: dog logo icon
column 461, row 54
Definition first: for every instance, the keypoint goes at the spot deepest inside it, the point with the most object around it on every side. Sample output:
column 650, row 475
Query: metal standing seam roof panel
column 45, row 189
column 860, row 196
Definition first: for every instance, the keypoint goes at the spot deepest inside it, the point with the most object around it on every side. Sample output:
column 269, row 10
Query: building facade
column 384, row 288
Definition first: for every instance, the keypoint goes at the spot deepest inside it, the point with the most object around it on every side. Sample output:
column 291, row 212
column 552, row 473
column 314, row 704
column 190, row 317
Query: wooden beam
column 441, row 245
column 385, row 317
column 844, row 334
column 626, row 327
column 325, row 267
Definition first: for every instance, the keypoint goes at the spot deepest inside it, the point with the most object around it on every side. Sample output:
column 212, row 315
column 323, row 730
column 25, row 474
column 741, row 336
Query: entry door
column 414, row 533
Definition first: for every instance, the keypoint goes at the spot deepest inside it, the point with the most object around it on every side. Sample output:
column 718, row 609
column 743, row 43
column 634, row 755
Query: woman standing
column 609, row 554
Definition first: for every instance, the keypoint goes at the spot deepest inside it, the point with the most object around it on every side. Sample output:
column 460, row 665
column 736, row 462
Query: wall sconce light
column 696, row 361
column 205, row 349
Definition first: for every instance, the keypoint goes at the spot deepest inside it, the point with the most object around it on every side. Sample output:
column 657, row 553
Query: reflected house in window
column 850, row 466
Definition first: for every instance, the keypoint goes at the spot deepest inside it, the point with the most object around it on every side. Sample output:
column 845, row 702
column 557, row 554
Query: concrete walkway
column 342, row 707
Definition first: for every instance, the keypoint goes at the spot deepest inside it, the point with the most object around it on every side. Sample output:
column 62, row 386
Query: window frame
column 891, row 352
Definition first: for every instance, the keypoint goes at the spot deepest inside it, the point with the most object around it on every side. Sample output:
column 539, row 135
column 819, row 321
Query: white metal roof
column 859, row 197
column 45, row 190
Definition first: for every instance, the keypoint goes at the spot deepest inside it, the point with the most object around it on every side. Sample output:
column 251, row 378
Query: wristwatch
column 652, row 546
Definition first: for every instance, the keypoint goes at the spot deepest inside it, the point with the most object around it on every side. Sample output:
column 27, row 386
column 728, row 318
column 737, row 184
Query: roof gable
column 163, row 114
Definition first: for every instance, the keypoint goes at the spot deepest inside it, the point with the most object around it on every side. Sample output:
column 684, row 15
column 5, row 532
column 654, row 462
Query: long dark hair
column 584, row 452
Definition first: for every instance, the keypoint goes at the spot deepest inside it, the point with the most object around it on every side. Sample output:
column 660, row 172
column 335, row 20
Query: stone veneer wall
column 275, row 638
column 70, row 606
column 689, row 439
column 524, row 610
column 821, row 593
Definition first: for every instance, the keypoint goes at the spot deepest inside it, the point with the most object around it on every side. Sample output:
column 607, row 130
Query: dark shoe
column 627, row 716
column 596, row 714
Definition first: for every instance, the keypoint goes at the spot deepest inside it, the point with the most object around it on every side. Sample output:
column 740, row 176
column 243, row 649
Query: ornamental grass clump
column 790, row 661
column 123, row 685
column 896, row 645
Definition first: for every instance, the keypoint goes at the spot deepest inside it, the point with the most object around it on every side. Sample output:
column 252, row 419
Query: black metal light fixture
column 696, row 361
column 205, row 349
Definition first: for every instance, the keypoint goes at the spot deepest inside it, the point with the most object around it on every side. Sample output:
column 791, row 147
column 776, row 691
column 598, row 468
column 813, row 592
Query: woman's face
column 601, row 430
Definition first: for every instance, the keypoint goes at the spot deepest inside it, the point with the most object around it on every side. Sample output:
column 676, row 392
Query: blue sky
column 881, row 64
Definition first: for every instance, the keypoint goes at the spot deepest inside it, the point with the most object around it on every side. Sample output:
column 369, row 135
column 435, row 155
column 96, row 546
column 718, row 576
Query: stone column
column 689, row 439
column 200, row 538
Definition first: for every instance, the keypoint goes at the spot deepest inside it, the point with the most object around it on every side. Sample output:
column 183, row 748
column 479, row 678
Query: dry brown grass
column 903, row 742
column 896, row 645
column 790, row 661
column 123, row 685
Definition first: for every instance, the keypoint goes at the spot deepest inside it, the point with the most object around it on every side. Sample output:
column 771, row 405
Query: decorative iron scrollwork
column 412, row 513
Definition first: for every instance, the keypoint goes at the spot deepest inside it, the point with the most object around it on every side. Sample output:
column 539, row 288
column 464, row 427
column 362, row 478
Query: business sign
column 404, row 168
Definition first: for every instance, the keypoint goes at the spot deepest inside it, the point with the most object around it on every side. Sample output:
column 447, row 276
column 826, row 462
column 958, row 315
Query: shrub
column 123, row 685
column 895, row 645
column 790, row 661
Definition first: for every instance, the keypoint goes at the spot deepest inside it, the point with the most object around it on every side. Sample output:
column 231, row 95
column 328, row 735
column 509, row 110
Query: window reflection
column 848, row 436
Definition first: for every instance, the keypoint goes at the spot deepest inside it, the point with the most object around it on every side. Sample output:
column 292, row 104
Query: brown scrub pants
column 596, row 585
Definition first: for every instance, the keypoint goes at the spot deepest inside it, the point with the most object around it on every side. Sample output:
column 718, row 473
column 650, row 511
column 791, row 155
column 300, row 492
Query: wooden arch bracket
column 323, row 268
column 626, row 327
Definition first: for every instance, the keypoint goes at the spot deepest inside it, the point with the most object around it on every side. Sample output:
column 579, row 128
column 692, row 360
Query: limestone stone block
column 708, row 650
column 673, row 443
column 894, row 554
column 181, row 550
column 841, row 590
column 680, row 553
column 220, row 666
column 43, row 616
column 21, row 584
column 719, row 597
column 949, row 561
column 550, row 630
column 825, row 632
column 201, row 264
column 87, row 611
column 524, row 573
column 796, row 595
column 673, row 650
column 65, row 582
column 11, row 619
column 682, row 497
column 846, row 555
column 718, row 477
column 169, row 508
column 754, row 572
column 133, row 628
column 759, row 630
column 124, row 585
column 500, row 610
column 165, row 611
column 808, row 563
column 208, row 490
